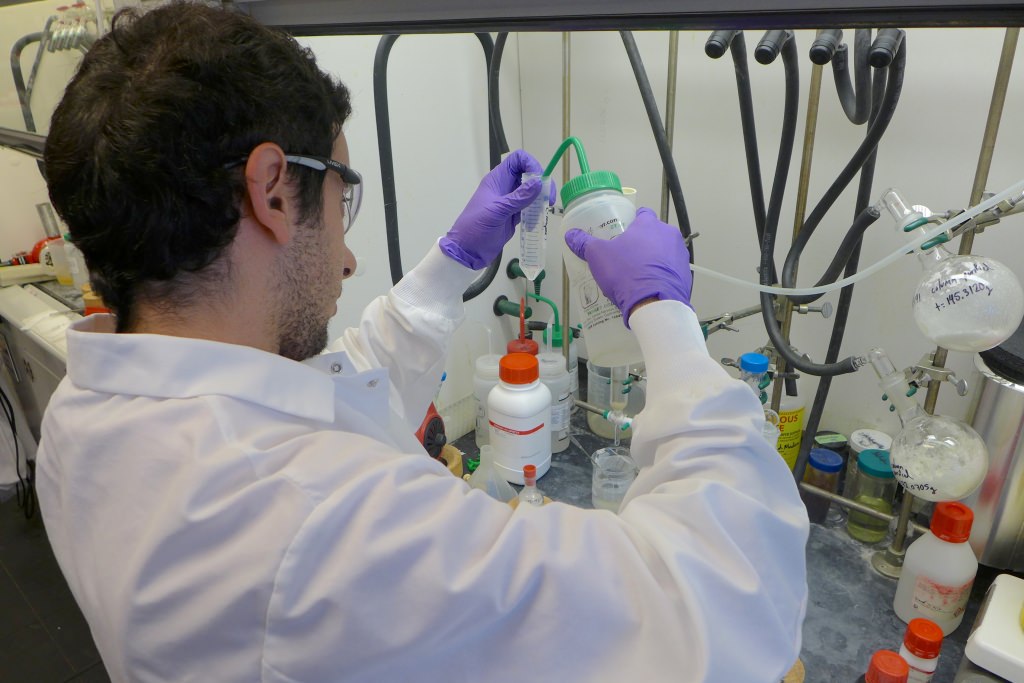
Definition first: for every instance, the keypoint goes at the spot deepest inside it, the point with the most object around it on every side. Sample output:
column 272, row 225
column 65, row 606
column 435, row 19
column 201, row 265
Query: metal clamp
column 924, row 372
column 825, row 309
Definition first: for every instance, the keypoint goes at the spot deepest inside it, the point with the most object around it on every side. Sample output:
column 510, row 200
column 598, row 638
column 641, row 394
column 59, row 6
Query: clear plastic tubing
column 1009, row 193
column 533, row 230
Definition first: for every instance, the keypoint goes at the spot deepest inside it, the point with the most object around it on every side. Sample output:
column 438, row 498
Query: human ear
column 268, row 192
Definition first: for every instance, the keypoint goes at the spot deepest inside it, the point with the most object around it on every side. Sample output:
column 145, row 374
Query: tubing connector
column 621, row 421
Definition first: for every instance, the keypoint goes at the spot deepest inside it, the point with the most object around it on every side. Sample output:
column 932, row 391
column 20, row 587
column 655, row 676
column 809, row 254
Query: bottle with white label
column 594, row 203
column 519, row 414
column 556, row 378
column 485, row 379
column 939, row 570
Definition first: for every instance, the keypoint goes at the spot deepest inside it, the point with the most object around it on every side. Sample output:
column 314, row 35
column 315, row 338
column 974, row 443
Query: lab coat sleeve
column 404, row 573
column 407, row 331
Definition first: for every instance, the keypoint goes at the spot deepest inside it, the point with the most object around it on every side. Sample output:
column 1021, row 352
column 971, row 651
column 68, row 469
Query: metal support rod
column 566, row 101
column 589, row 407
column 670, row 113
column 853, row 505
column 810, row 129
column 988, row 143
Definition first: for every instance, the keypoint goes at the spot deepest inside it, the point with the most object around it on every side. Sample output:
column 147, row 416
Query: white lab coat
column 224, row 514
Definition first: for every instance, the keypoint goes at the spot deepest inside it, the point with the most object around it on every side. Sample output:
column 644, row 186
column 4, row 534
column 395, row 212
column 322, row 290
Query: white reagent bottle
column 519, row 414
column 939, row 570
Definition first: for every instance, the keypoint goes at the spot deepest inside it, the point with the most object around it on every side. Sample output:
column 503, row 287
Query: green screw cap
column 586, row 183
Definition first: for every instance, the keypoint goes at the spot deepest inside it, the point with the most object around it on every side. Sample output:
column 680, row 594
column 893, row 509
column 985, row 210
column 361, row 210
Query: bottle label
column 560, row 418
column 829, row 438
column 517, row 432
column 940, row 602
column 520, row 439
column 790, row 427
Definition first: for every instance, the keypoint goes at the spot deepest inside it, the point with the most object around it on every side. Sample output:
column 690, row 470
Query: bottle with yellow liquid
column 791, row 428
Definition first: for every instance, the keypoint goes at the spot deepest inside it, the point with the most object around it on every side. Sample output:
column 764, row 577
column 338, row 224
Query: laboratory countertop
column 849, row 610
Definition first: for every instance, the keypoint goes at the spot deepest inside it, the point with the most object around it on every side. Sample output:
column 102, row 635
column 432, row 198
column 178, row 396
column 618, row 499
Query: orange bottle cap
column 887, row 667
column 923, row 638
column 522, row 346
column 952, row 522
column 518, row 368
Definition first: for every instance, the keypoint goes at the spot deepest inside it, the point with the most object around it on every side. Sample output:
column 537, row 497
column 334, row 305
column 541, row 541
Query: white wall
column 21, row 185
column 439, row 120
column 438, row 114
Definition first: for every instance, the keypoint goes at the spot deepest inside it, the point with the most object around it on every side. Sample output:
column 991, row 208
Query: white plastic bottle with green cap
column 594, row 203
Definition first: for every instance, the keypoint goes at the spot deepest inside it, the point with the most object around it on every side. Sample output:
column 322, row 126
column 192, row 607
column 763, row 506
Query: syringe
column 533, row 230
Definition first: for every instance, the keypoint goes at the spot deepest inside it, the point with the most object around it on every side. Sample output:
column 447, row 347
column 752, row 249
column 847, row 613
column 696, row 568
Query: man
column 229, row 505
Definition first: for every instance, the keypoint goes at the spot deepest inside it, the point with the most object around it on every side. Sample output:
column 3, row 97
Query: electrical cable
column 893, row 87
column 25, row 486
column 842, row 314
column 387, row 162
column 660, row 136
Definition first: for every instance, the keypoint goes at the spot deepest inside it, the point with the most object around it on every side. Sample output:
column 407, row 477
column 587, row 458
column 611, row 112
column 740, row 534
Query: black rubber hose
column 493, row 94
column 771, row 44
column 387, row 164
column 864, row 220
column 791, row 65
column 718, row 42
column 738, row 49
column 867, row 175
column 497, row 144
column 715, row 47
column 660, row 137
column 894, row 83
column 825, row 45
column 885, row 47
column 494, row 147
column 855, row 99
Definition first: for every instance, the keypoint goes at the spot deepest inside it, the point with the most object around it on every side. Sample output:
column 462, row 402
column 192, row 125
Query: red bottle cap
column 923, row 638
column 522, row 346
column 887, row 667
column 518, row 368
column 529, row 473
column 952, row 522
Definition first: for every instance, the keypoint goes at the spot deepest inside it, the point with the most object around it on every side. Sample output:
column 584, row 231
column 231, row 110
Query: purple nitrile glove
column 490, row 218
column 648, row 261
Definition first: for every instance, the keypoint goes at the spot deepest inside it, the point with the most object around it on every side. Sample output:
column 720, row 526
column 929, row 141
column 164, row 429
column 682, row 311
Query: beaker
column 614, row 471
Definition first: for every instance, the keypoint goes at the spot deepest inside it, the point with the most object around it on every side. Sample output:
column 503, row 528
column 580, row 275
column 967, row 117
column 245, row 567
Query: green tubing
column 581, row 156
column 549, row 302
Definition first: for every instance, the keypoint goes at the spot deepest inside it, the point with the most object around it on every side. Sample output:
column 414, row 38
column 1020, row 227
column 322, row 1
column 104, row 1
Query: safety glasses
column 352, row 195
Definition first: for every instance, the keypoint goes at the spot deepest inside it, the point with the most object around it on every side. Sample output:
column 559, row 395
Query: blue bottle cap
column 876, row 463
column 754, row 362
column 825, row 460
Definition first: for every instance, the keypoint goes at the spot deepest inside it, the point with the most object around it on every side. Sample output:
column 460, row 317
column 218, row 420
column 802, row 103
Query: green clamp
column 910, row 227
column 504, row 306
column 941, row 238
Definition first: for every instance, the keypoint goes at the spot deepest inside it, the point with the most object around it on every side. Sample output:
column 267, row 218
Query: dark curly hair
column 139, row 155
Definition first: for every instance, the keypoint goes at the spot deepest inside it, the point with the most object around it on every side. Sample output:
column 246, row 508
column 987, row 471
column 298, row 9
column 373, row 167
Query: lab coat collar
column 161, row 366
